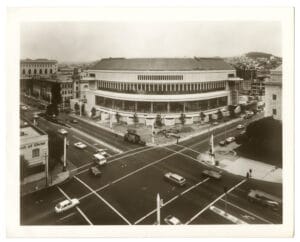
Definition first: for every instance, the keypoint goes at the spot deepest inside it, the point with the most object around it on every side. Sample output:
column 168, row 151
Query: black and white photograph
column 171, row 123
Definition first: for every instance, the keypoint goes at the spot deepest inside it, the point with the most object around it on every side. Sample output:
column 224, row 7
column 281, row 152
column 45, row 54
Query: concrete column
column 168, row 107
column 135, row 107
column 151, row 107
column 123, row 105
column 184, row 107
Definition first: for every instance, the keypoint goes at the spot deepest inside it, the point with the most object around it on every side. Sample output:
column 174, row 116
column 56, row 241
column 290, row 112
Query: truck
column 132, row 137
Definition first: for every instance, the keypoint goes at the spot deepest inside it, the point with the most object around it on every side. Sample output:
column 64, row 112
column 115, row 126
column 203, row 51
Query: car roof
column 99, row 156
column 176, row 176
column 65, row 202
column 173, row 219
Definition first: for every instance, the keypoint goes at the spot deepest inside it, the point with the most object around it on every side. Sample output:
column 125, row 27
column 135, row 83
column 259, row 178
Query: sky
column 90, row 41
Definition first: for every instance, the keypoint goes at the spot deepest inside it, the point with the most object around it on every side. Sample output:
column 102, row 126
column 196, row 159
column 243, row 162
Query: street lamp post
column 65, row 153
column 46, row 169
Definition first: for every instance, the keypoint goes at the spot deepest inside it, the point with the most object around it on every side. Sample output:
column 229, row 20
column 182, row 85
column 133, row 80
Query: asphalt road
column 126, row 192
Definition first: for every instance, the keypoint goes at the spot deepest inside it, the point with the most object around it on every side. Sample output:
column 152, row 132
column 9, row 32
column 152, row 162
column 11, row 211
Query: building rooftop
column 38, row 61
column 162, row 64
column 29, row 132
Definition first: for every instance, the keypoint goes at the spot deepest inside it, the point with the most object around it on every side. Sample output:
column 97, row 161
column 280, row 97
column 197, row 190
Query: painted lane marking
column 214, row 201
column 78, row 209
column 188, row 156
column 67, row 216
column 130, row 174
column 103, row 200
column 128, row 155
column 248, row 212
column 82, row 140
column 226, row 215
column 171, row 200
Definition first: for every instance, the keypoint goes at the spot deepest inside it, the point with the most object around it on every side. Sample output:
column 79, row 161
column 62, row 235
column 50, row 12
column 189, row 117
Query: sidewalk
column 260, row 170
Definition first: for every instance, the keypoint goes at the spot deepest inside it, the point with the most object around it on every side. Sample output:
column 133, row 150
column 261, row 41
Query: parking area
column 127, row 190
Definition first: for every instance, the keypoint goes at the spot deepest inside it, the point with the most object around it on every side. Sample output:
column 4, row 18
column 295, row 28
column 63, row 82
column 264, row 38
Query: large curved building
column 166, row 86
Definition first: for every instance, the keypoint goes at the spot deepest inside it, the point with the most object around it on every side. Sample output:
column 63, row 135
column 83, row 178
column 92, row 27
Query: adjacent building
column 146, row 87
column 273, row 94
column 33, row 153
column 37, row 78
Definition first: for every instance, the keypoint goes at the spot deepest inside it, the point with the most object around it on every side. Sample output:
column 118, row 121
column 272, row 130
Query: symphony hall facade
column 146, row 87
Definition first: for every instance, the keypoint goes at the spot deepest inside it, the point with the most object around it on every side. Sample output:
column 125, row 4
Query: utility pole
column 65, row 153
column 212, row 152
column 46, row 169
column 152, row 133
column 80, row 108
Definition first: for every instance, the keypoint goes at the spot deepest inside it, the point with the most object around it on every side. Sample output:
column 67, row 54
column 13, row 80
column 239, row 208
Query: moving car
column 102, row 152
column 212, row 174
column 222, row 143
column 62, row 131
column 95, row 171
column 175, row 178
column 24, row 107
column 265, row 199
column 230, row 139
column 240, row 126
column 66, row 205
column 171, row 220
column 80, row 145
column 100, row 159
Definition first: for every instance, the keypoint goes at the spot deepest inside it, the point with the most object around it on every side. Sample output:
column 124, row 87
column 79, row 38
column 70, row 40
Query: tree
column 76, row 107
column 182, row 118
column 202, row 116
column 220, row 114
column 135, row 119
column 55, row 93
column 83, row 109
column 93, row 111
column 52, row 110
column 158, row 121
column 117, row 116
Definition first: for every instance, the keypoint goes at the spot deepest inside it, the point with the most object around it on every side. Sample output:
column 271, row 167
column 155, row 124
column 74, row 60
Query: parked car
column 95, row 171
column 240, row 126
column 74, row 121
column 230, row 139
column 175, row 178
column 102, row 152
column 215, row 123
column 265, row 199
column 212, row 174
column 172, row 220
column 24, row 107
column 80, row 145
column 243, row 132
column 62, row 131
column 66, row 205
column 222, row 143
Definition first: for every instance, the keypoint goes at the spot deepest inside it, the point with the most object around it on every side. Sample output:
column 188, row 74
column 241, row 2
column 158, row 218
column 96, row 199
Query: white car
column 240, row 126
column 230, row 139
column 80, row 145
column 24, row 107
column 175, row 178
column 62, row 131
column 102, row 152
column 66, row 204
column 171, row 220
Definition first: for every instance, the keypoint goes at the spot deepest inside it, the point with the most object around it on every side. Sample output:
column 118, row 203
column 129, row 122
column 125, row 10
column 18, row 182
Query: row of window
column 161, row 107
column 161, row 88
column 159, row 77
column 67, row 85
column 66, row 92
column 37, row 65
column 35, row 71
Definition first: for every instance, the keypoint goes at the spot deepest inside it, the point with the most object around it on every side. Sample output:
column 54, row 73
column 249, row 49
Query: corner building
column 165, row 86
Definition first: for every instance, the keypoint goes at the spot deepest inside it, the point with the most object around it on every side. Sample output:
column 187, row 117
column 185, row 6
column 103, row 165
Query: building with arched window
column 166, row 86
